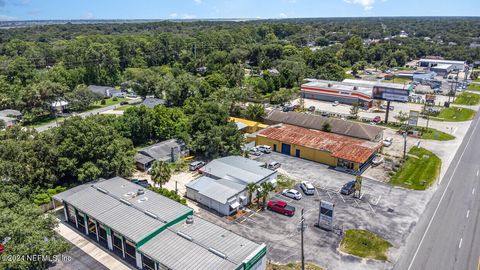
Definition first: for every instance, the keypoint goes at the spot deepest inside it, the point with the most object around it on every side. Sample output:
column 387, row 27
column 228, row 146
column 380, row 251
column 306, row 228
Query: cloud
column 7, row 18
column 173, row 15
column 282, row 15
column 366, row 4
column 188, row 16
column 198, row 2
column 88, row 15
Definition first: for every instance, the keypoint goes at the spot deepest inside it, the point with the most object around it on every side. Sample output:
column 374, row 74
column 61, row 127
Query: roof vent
column 144, row 199
column 129, row 194
column 140, row 191
column 355, row 88
column 218, row 253
column 330, row 85
column 188, row 237
column 189, row 219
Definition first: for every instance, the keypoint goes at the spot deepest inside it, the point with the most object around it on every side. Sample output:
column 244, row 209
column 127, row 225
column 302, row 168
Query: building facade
column 429, row 63
column 341, row 152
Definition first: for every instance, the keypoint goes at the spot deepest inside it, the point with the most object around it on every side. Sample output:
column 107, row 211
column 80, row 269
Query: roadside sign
column 390, row 94
column 325, row 218
column 413, row 117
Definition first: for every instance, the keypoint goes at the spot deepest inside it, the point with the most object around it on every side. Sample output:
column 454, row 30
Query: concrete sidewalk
column 90, row 248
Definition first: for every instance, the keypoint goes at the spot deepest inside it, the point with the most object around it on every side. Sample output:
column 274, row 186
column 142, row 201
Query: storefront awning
column 234, row 204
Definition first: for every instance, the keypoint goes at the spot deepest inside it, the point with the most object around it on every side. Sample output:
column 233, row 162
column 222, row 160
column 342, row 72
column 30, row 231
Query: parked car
column 281, row 207
column 335, row 103
column 307, row 188
column 292, row 193
column 264, row 149
column 195, row 165
column 348, row 188
column 255, row 152
column 377, row 119
column 387, row 141
column 124, row 103
column 132, row 95
column 311, row 108
column 325, row 114
column 273, row 165
column 377, row 160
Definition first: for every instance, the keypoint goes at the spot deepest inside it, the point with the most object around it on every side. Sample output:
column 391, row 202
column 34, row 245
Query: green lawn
column 293, row 266
column 284, row 182
column 433, row 134
column 419, row 171
column 474, row 87
column 455, row 114
column 399, row 80
column 467, row 99
column 44, row 120
column 365, row 244
column 108, row 102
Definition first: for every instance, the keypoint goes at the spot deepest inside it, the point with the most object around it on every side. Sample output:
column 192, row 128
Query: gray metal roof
column 186, row 246
column 238, row 169
column 161, row 206
column 105, row 91
column 115, row 203
column 110, row 211
column 143, row 159
column 152, row 102
column 219, row 190
column 342, row 127
column 162, row 150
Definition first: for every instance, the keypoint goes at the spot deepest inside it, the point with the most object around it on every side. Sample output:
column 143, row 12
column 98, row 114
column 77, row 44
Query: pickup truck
column 281, row 207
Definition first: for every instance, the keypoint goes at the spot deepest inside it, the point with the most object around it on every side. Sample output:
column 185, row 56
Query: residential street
column 84, row 114
column 447, row 235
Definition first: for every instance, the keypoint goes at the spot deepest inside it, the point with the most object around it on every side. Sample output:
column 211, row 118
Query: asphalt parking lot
column 386, row 210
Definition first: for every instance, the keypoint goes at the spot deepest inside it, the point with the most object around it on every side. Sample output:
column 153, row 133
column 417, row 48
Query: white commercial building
column 458, row 65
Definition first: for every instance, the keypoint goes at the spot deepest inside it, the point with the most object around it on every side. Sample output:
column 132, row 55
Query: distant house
column 169, row 151
column 106, row 91
column 60, row 106
column 222, row 186
column 152, row 102
column 274, row 71
column 10, row 117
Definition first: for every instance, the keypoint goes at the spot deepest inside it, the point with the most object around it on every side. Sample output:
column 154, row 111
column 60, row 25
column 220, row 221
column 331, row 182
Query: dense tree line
column 175, row 60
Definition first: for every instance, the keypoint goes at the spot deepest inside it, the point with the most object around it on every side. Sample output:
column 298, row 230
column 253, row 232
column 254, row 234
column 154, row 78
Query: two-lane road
column 448, row 233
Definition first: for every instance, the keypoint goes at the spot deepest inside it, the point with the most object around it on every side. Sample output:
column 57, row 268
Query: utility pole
column 404, row 144
column 388, row 110
column 301, row 233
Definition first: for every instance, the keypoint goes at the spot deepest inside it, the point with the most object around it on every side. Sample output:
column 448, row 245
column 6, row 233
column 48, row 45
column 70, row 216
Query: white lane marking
column 468, row 213
column 478, row 172
column 441, row 198
column 460, row 244
column 473, row 191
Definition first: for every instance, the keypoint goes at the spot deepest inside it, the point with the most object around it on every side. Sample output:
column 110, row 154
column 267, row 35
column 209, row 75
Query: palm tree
column 266, row 188
column 161, row 173
column 251, row 188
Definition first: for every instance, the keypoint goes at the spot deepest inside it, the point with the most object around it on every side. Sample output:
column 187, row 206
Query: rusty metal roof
column 339, row 146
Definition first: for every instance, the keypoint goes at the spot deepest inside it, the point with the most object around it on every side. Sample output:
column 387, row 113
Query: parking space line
column 342, row 198
column 371, row 207
column 378, row 200
column 356, row 202
column 361, row 195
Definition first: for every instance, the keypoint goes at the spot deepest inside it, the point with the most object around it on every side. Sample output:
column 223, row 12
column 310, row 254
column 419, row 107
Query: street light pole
column 301, row 233
column 404, row 144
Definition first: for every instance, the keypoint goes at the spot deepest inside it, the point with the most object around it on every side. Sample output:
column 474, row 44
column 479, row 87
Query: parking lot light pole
column 301, row 233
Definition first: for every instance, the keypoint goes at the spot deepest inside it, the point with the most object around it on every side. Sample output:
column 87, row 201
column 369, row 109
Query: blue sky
column 199, row 9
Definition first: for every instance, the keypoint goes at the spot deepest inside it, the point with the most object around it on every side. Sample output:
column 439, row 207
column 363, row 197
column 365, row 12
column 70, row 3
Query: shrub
column 103, row 102
column 115, row 99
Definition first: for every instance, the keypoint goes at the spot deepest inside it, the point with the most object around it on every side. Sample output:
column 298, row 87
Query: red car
column 281, row 207
column 377, row 119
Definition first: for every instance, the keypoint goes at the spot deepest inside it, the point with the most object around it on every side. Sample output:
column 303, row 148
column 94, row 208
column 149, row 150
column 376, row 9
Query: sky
column 207, row 9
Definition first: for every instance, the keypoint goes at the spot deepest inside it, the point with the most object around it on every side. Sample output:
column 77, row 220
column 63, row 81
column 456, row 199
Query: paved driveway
column 386, row 210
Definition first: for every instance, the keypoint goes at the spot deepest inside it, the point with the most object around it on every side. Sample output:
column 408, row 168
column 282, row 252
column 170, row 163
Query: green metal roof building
column 150, row 231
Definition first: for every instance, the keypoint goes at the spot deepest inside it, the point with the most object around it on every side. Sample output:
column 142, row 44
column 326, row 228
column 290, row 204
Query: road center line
column 473, row 191
column 478, row 172
column 460, row 244
column 468, row 213
column 443, row 195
